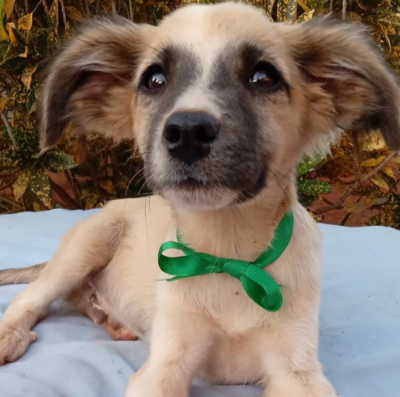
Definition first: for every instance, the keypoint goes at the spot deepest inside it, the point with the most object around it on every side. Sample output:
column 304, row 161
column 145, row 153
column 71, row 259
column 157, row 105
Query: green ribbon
column 257, row 283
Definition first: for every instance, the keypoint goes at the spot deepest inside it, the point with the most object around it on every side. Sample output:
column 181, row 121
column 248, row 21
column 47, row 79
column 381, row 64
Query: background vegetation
column 359, row 183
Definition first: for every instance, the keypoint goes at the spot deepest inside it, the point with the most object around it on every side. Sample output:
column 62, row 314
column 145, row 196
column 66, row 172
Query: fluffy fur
column 329, row 77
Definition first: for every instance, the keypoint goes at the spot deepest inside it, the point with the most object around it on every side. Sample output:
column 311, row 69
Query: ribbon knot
column 235, row 267
column 256, row 282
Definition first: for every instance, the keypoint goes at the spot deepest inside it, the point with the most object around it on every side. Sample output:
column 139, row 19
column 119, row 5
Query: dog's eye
column 154, row 78
column 265, row 75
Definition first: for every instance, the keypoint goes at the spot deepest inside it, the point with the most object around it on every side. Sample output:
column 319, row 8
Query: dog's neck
column 240, row 232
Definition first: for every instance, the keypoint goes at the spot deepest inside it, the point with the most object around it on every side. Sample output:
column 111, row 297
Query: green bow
column 257, row 283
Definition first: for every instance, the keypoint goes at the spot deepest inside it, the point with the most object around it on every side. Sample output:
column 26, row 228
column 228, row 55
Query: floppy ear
column 347, row 82
column 89, row 82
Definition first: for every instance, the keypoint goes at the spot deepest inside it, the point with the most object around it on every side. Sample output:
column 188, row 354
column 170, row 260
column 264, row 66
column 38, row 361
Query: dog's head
column 221, row 102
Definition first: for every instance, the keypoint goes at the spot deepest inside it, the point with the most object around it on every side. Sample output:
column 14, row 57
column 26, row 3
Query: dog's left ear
column 346, row 80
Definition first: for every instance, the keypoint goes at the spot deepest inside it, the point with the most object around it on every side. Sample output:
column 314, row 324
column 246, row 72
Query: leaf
column 353, row 207
column 21, row 184
column 89, row 197
column 27, row 140
column 40, row 185
column 25, row 22
column 373, row 200
column 8, row 7
column 8, row 158
column 36, row 207
column 58, row 161
column 10, row 29
column 26, row 77
column 374, row 142
column 389, row 172
column 306, row 200
column 378, row 181
column 314, row 187
column 396, row 159
column 270, row 6
column 308, row 164
column 3, row 101
column 108, row 186
column 373, row 162
column 306, row 16
column 25, row 53
column 3, row 32
column 73, row 13
column 287, row 10
column 374, row 221
column 40, row 44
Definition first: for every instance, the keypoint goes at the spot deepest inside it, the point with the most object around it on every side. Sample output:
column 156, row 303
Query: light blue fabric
column 360, row 320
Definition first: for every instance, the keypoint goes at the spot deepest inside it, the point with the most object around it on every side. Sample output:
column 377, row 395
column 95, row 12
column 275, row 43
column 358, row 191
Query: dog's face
column 220, row 101
column 213, row 95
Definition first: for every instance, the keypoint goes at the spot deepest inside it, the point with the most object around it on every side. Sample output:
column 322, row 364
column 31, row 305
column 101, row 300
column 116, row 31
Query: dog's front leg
column 292, row 365
column 179, row 345
column 299, row 383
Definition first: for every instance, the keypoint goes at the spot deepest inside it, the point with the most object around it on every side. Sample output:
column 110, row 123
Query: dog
column 222, row 104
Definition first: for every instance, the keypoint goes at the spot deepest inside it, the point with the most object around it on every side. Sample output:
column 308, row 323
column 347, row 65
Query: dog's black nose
column 189, row 135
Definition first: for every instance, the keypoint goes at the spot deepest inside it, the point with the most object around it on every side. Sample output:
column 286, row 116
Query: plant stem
column 9, row 129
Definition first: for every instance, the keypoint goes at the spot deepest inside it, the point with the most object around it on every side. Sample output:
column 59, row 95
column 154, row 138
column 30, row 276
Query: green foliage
column 308, row 164
column 87, row 172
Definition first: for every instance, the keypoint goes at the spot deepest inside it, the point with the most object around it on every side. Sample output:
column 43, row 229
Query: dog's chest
column 223, row 300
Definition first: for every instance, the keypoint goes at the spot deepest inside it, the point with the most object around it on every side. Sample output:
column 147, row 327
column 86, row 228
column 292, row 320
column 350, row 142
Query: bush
column 359, row 183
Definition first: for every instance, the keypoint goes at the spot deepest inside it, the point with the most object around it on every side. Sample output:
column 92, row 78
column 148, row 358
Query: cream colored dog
column 221, row 104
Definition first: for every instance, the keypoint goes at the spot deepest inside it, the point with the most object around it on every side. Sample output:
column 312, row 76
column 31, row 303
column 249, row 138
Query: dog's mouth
column 192, row 184
column 193, row 193
column 207, row 186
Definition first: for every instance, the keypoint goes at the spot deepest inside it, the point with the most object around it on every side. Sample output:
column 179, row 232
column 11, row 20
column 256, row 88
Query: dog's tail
column 23, row 275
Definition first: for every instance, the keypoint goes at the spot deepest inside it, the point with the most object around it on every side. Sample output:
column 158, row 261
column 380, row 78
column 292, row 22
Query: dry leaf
column 36, row 206
column 27, row 75
column 8, row 7
column 10, row 26
column 389, row 171
column 373, row 162
column 378, row 181
column 305, row 17
column 108, row 186
column 25, row 23
column 373, row 143
column 25, row 54
column 74, row 13
column 3, row 32
column 20, row 185
column 353, row 207
column 3, row 102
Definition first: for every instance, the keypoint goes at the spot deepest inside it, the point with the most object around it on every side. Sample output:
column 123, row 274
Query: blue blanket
column 360, row 320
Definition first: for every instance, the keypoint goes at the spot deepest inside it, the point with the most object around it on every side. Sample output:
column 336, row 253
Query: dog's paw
column 301, row 384
column 14, row 342
column 144, row 385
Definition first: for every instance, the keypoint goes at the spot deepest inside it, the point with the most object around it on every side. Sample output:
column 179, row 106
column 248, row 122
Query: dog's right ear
column 90, row 81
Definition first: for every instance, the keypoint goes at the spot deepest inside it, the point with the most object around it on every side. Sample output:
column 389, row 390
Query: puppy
column 222, row 104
